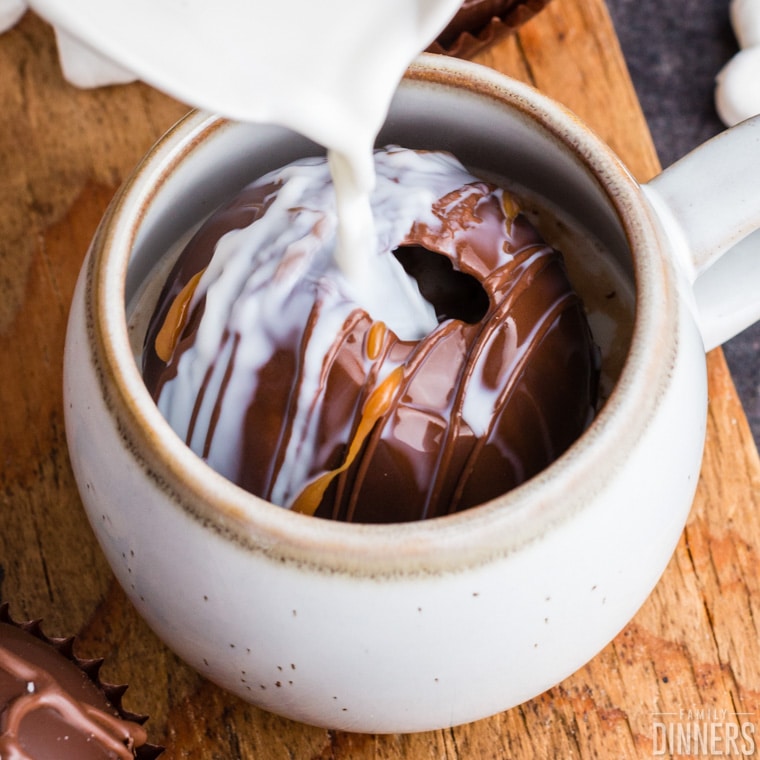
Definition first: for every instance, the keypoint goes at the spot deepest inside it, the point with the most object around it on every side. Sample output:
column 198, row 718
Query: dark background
column 674, row 50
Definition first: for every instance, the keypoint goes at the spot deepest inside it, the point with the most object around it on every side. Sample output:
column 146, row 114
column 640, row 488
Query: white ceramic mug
column 396, row 628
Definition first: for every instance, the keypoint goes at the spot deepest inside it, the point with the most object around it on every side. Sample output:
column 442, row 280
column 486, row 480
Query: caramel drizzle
column 176, row 318
column 376, row 340
column 114, row 734
column 376, row 347
column 412, row 364
column 375, row 408
column 511, row 210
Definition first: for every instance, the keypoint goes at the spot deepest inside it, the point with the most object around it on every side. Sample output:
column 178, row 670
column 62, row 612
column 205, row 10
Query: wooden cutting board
column 693, row 647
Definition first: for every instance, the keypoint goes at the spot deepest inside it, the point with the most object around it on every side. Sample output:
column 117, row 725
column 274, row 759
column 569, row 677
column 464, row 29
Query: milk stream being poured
column 327, row 70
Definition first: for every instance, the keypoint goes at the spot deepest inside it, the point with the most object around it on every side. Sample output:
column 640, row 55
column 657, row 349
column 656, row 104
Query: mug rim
column 443, row 544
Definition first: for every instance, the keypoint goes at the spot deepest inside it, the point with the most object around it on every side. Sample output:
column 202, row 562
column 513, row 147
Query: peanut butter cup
column 53, row 705
column 479, row 23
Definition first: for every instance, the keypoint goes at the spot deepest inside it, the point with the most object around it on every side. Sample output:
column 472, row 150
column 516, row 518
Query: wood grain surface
column 690, row 656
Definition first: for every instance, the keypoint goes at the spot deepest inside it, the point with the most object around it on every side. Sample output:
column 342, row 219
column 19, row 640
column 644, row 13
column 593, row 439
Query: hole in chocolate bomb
column 453, row 294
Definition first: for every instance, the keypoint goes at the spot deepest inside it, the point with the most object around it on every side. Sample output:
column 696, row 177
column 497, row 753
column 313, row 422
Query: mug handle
column 709, row 205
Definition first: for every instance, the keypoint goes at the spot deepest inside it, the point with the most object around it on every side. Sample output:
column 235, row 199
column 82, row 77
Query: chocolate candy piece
column 53, row 706
column 479, row 23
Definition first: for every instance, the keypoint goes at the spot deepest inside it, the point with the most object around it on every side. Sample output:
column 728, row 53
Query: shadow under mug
column 397, row 628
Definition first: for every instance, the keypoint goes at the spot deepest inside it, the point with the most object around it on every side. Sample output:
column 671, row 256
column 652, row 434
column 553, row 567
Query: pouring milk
column 327, row 70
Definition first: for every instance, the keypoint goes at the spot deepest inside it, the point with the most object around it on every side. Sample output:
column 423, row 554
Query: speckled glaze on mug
column 397, row 628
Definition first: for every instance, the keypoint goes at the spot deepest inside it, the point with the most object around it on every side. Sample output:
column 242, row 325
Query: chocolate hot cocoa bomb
column 53, row 705
column 467, row 369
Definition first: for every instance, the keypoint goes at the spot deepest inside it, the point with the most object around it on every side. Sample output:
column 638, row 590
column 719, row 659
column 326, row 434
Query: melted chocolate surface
column 380, row 428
